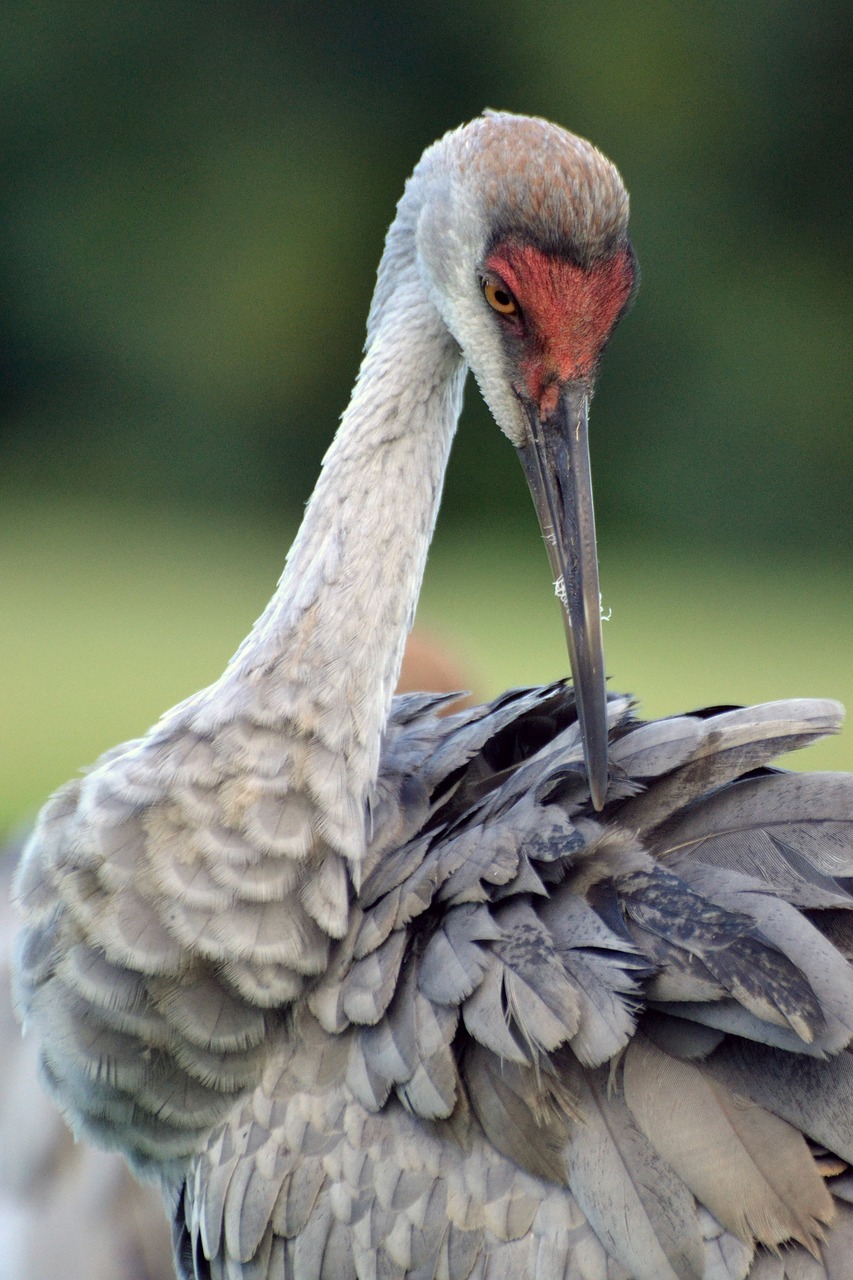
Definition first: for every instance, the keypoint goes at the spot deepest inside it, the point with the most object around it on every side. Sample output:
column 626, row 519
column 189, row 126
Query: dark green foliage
column 195, row 198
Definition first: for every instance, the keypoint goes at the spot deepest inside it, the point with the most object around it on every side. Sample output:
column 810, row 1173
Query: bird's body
column 375, row 994
column 68, row 1208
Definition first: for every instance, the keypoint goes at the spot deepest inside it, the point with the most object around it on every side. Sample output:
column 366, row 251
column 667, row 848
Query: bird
column 537, row 988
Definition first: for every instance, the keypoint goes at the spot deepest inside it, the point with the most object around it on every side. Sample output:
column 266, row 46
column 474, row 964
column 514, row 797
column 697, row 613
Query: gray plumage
column 374, row 994
column 66, row 1209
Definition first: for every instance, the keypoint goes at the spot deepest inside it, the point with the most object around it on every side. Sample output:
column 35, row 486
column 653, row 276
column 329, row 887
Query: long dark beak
column 556, row 463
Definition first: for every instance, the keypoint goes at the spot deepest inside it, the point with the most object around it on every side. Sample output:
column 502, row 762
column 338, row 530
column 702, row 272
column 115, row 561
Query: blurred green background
column 194, row 199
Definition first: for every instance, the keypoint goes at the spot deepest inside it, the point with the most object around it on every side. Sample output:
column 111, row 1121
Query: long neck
column 322, row 661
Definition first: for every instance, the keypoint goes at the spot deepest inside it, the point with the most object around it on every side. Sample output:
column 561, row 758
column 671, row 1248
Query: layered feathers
column 549, row 1043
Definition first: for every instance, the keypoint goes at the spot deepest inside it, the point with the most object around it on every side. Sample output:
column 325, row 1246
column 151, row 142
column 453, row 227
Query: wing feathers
column 477, row 1098
column 751, row 1169
column 732, row 743
column 816, row 1097
column 643, row 1214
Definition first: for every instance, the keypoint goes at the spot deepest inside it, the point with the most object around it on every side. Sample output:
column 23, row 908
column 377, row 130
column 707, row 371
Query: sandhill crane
column 373, row 994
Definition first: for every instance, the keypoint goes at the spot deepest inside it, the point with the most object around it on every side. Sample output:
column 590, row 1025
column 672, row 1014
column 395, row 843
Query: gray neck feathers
column 321, row 663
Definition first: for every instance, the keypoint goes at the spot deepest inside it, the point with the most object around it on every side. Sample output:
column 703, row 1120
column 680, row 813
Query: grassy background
column 110, row 616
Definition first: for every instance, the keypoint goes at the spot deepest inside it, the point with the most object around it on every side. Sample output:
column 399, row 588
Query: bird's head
column 522, row 243
column 522, row 240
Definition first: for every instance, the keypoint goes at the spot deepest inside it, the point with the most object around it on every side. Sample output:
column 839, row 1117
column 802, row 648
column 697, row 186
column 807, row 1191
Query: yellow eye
column 499, row 298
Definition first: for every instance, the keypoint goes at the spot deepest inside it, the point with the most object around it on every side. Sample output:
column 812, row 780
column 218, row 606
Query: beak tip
column 598, row 791
column 594, row 739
